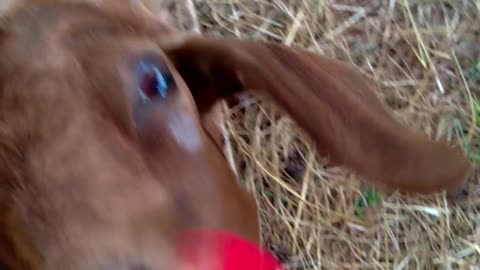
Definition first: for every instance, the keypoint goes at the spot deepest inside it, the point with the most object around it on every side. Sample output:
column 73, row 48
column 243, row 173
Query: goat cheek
column 185, row 131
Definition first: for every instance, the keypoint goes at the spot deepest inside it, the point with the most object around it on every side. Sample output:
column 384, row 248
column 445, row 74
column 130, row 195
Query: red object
column 203, row 249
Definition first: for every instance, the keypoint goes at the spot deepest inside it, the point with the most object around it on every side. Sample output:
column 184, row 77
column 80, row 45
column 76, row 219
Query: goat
column 105, row 153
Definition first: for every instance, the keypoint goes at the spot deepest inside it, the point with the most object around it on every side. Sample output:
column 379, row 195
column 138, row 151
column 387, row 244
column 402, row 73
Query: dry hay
column 425, row 56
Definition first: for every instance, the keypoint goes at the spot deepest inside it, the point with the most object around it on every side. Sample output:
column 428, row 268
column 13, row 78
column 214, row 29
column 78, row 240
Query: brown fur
column 92, row 189
column 83, row 186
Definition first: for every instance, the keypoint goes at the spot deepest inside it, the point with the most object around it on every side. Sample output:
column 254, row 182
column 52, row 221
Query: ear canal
column 333, row 103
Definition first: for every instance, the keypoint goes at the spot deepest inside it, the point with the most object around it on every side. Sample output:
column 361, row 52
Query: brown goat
column 103, row 155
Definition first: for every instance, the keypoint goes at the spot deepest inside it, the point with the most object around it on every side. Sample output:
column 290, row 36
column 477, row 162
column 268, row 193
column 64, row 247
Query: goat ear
column 333, row 103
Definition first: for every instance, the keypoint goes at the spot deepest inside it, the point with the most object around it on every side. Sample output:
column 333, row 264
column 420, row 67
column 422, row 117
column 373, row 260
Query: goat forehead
column 40, row 19
column 52, row 33
column 41, row 22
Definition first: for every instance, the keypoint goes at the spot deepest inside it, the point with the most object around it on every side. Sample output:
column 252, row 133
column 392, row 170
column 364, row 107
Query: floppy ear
column 333, row 103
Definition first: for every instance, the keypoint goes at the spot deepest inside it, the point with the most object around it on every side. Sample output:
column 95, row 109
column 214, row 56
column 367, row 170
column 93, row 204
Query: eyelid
column 151, row 59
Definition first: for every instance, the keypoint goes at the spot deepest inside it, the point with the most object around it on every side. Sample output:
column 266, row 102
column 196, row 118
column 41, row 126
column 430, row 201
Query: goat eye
column 153, row 81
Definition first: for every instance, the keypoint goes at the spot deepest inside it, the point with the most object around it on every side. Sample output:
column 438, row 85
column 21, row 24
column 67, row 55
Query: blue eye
column 153, row 81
